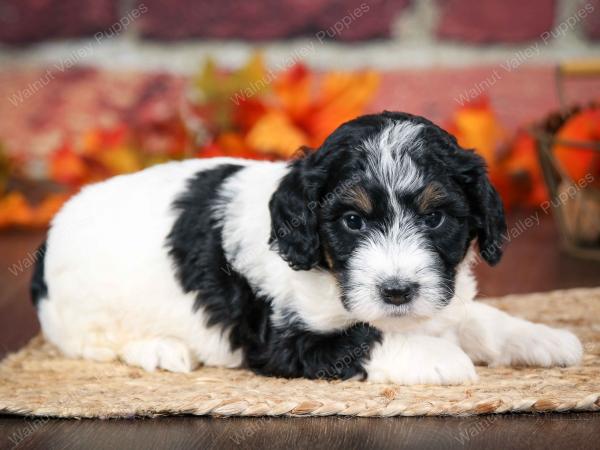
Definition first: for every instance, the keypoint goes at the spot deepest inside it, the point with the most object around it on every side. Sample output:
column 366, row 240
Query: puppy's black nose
column 396, row 292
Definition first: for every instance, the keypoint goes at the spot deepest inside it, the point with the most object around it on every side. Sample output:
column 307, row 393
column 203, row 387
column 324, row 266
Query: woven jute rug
column 39, row 381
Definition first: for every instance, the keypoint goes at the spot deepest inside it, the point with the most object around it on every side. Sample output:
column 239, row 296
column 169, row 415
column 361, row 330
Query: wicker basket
column 575, row 203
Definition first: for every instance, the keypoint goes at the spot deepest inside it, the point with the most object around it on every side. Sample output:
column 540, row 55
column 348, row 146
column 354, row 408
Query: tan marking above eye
column 359, row 197
column 328, row 258
column 430, row 196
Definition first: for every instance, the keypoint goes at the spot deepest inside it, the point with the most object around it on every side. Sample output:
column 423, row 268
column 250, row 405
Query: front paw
column 419, row 360
column 540, row 345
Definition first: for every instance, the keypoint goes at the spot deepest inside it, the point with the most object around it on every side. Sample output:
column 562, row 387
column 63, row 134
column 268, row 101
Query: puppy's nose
column 396, row 292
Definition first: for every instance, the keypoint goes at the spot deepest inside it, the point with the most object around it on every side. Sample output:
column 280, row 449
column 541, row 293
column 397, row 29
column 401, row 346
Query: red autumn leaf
column 68, row 167
column 293, row 90
column 579, row 162
column 518, row 175
column 100, row 139
column 247, row 113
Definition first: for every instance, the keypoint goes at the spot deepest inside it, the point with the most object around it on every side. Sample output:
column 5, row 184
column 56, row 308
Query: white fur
column 314, row 294
column 466, row 327
column 112, row 291
column 419, row 359
column 111, row 287
column 399, row 252
column 389, row 156
column 103, row 304
column 493, row 337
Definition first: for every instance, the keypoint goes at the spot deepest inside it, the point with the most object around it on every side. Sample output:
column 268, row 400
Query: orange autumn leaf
column 275, row 113
column 98, row 140
column 15, row 211
column 342, row 97
column 518, row 176
column 476, row 126
column 211, row 150
column 576, row 161
column 120, row 160
column 355, row 87
column 99, row 159
column 67, row 167
column 247, row 113
column 513, row 166
column 231, row 143
column 293, row 89
column 275, row 133
column 105, row 151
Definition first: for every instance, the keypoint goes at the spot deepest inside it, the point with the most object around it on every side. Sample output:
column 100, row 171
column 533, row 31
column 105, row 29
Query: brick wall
column 463, row 21
column 23, row 21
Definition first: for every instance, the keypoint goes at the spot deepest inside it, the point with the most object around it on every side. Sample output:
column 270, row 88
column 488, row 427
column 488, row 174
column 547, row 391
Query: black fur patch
column 294, row 352
column 310, row 198
column 196, row 246
column 38, row 288
column 447, row 162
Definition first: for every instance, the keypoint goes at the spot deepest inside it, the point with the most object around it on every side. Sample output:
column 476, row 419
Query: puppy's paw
column 539, row 345
column 159, row 353
column 419, row 360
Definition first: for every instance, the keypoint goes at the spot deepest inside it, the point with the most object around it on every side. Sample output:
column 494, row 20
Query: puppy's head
column 389, row 204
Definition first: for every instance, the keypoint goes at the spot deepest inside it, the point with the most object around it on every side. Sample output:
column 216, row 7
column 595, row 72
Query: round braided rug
column 39, row 381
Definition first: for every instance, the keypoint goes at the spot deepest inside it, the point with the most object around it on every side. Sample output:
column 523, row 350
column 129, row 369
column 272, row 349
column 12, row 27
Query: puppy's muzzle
column 398, row 292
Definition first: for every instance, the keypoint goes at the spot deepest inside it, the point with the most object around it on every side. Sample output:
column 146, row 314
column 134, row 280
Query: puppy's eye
column 354, row 222
column 433, row 220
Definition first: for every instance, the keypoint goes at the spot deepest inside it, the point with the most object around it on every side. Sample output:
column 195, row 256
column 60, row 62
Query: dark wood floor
column 532, row 262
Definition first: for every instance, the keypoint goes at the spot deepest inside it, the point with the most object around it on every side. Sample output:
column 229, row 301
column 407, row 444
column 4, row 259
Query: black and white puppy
column 352, row 261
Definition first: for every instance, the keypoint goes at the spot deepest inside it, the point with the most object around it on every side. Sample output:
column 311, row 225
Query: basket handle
column 571, row 69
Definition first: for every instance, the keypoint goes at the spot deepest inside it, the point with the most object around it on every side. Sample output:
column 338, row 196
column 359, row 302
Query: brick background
column 486, row 21
column 468, row 21
column 268, row 19
column 23, row 21
column 591, row 24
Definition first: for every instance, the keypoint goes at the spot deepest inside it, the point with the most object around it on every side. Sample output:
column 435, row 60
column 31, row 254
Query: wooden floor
column 532, row 263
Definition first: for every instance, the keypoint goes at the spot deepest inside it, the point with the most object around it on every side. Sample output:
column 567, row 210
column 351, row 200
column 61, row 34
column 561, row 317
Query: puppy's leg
column 164, row 353
column 491, row 336
column 417, row 359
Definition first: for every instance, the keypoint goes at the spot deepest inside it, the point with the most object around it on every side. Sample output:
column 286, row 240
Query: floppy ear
column 294, row 223
column 487, row 210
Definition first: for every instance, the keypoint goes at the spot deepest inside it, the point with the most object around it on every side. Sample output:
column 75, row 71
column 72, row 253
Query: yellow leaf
column 206, row 82
column 252, row 78
column 121, row 160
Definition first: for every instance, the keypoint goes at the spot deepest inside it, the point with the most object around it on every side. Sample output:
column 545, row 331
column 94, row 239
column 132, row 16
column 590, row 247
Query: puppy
column 350, row 262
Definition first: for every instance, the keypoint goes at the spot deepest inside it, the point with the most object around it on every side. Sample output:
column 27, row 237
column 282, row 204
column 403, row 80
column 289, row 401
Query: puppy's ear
column 294, row 223
column 487, row 210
